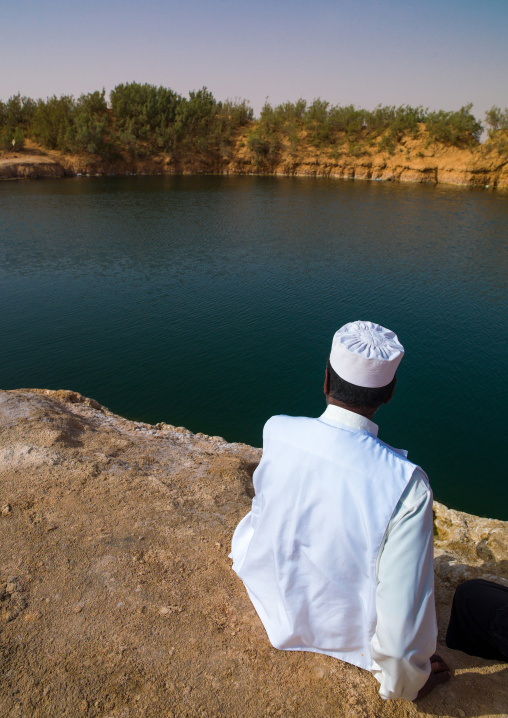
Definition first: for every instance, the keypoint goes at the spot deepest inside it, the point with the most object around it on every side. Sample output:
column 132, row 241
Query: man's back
column 307, row 552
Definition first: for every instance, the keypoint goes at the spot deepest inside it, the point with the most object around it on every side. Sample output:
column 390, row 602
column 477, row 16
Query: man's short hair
column 353, row 395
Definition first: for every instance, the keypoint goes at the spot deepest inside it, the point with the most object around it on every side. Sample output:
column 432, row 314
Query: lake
column 211, row 302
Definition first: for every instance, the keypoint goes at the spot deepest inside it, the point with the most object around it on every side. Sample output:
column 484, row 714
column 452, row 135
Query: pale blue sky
column 437, row 53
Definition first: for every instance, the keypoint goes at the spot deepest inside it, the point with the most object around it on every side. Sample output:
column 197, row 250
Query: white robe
column 401, row 630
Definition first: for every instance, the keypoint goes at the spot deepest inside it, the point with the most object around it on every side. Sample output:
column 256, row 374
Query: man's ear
column 389, row 397
column 326, row 387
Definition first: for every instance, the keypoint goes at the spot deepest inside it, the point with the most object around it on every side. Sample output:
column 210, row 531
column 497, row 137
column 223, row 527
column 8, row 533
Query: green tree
column 144, row 116
column 52, row 122
column 496, row 119
column 90, row 130
column 454, row 127
column 15, row 118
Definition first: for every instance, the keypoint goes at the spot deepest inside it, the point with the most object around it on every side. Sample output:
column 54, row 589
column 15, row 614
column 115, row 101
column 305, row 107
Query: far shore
column 433, row 165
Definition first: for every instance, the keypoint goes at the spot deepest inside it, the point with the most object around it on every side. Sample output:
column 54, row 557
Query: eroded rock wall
column 30, row 168
column 414, row 160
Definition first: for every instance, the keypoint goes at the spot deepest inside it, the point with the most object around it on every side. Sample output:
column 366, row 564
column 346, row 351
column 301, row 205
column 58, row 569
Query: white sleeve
column 406, row 628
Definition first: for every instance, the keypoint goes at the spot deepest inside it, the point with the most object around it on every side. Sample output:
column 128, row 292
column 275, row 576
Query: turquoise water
column 210, row 302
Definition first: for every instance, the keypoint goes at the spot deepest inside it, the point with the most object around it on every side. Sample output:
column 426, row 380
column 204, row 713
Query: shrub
column 496, row 119
column 355, row 149
column 264, row 147
column 52, row 122
column 16, row 112
column 497, row 122
column 386, row 143
column 15, row 118
column 91, row 128
column 454, row 127
column 144, row 116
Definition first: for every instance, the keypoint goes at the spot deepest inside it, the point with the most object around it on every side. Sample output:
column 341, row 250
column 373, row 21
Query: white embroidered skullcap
column 366, row 354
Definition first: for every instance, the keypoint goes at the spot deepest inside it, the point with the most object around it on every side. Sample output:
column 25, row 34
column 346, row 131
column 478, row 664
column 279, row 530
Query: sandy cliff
column 116, row 592
column 413, row 160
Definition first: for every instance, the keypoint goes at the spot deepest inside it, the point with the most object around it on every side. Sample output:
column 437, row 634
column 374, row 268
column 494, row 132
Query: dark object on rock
column 479, row 620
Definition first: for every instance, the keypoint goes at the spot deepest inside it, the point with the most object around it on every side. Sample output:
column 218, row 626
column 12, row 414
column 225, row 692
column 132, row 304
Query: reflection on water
column 211, row 302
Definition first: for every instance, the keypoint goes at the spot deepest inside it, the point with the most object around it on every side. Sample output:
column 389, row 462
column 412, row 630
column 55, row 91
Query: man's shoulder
column 282, row 425
column 285, row 418
column 283, row 422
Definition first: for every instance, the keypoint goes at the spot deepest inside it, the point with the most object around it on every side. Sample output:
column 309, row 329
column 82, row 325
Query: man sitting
column 336, row 552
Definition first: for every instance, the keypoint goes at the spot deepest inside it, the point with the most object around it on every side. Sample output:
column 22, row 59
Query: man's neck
column 362, row 410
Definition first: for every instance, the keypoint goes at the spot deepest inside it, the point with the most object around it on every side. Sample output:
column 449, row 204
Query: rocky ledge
column 116, row 593
column 30, row 167
column 415, row 159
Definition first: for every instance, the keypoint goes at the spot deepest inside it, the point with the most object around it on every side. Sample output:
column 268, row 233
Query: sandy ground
column 27, row 158
column 117, row 596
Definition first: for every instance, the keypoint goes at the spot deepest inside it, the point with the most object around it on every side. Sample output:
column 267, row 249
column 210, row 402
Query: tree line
column 142, row 120
column 357, row 129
